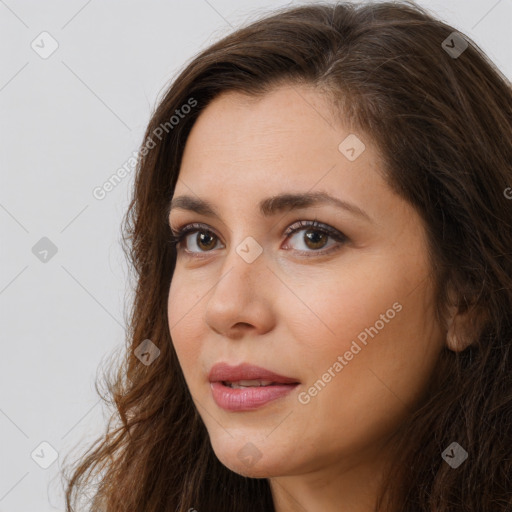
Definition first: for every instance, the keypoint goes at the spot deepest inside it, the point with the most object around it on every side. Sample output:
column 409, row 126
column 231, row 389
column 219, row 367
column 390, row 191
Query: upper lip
column 223, row 372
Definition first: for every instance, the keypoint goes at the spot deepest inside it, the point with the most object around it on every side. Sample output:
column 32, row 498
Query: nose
column 243, row 297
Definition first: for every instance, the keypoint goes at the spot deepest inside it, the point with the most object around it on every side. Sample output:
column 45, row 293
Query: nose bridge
column 239, row 295
column 244, row 263
column 250, row 250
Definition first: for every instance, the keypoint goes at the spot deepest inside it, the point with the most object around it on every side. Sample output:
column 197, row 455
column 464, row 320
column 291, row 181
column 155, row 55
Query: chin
column 246, row 459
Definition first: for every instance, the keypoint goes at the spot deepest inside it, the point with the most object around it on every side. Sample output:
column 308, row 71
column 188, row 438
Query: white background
column 67, row 123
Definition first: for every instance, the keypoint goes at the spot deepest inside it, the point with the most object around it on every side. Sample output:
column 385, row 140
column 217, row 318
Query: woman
column 320, row 228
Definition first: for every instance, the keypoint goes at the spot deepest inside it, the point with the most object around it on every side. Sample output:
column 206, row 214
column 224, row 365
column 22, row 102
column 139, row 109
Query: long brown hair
column 443, row 123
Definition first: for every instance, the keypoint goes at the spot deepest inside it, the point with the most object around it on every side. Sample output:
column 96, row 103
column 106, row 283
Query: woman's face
column 347, row 316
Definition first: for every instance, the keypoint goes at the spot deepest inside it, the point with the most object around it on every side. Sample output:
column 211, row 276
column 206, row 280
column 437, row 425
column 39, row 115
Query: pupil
column 202, row 236
column 313, row 237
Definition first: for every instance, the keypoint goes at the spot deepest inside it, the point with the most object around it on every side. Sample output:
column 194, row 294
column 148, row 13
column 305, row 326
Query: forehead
column 241, row 124
column 285, row 138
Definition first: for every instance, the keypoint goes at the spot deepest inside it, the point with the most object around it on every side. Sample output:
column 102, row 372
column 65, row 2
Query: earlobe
column 454, row 339
column 464, row 328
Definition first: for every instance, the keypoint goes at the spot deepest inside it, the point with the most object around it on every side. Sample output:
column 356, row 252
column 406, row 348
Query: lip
column 247, row 399
column 224, row 372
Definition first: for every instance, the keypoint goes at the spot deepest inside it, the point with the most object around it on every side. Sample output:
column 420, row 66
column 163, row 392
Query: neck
column 346, row 485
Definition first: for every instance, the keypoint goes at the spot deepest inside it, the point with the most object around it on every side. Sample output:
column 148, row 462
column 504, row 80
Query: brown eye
column 315, row 239
column 204, row 240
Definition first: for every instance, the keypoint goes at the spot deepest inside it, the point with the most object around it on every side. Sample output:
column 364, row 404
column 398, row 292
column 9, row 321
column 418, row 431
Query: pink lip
column 248, row 399
column 224, row 372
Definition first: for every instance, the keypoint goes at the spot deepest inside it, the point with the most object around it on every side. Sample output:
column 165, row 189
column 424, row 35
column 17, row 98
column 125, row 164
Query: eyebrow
column 271, row 205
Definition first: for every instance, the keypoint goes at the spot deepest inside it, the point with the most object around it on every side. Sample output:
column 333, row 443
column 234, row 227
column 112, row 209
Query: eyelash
column 181, row 232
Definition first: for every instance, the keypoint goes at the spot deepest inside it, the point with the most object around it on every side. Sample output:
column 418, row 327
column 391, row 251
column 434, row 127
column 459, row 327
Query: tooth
column 249, row 383
column 254, row 382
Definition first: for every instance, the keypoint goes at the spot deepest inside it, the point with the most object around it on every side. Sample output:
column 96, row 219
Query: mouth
column 246, row 374
column 247, row 387
column 244, row 384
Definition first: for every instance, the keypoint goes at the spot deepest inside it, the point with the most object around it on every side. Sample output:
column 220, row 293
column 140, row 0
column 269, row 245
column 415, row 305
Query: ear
column 464, row 328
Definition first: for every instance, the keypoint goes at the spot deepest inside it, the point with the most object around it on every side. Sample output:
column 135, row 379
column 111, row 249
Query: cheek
column 386, row 336
column 336, row 311
column 369, row 393
column 185, row 301
column 183, row 308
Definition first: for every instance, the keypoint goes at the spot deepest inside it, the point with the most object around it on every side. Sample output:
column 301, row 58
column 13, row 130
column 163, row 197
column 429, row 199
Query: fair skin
column 300, row 304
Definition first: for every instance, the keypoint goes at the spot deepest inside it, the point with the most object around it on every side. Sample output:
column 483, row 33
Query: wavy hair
column 443, row 124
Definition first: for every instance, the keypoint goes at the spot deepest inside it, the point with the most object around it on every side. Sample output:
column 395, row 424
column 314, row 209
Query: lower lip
column 247, row 399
